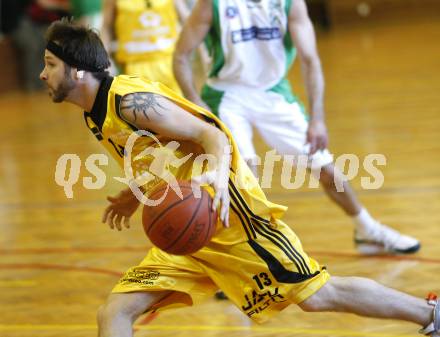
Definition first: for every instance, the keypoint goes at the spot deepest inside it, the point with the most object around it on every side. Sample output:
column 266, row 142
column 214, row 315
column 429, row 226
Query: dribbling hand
column 121, row 208
column 220, row 185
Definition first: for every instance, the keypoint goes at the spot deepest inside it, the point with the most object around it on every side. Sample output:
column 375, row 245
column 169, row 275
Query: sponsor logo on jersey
column 147, row 277
column 257, row 302
column 257, row 33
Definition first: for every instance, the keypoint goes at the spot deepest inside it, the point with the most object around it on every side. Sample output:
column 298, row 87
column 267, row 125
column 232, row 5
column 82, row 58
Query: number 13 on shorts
column 262, row 279
column 258, row 301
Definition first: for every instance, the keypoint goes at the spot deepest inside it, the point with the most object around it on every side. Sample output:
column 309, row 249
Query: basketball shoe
column 381, row 239
column 433, row 329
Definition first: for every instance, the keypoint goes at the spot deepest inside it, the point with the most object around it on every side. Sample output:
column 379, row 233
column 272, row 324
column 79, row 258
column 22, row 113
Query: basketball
column 179, row 226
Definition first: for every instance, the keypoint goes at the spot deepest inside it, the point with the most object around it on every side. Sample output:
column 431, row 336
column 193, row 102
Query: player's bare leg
column 368, row 298
column 330, row 178
column 117, row 315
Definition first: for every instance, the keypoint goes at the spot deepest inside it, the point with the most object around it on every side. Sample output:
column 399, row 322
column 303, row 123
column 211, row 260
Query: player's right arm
column 149, row 111
column 194, row 31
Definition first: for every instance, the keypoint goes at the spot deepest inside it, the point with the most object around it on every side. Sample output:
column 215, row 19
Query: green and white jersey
column 250, row 45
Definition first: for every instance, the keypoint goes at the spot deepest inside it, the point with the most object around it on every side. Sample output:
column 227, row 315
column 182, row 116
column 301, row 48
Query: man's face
column 58, row 81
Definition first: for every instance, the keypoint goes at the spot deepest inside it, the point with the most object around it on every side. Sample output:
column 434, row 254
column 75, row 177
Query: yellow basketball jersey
column 145, row 29
column 247, row 198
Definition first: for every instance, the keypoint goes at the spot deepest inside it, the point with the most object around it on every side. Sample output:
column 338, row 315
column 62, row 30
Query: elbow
column 180, row 57
column 211, row 136
column 223, row 141
column 309, row 63
column 221, row 136
column 180, row 61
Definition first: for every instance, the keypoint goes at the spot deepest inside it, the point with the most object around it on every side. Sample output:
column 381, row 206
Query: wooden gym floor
column 58, row 262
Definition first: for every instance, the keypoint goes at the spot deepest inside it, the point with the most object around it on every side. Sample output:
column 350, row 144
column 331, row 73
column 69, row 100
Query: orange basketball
column 179, row 226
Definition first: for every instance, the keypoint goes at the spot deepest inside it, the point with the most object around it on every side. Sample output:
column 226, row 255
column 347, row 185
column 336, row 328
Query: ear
column 80, row 74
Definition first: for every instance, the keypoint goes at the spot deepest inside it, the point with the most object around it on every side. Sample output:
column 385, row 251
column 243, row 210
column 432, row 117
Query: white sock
column 364, row 222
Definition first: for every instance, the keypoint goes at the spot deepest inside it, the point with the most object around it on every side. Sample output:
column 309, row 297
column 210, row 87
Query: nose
column 43, row 75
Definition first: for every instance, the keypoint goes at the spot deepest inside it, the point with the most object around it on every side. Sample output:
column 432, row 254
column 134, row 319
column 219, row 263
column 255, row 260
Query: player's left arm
column 303, row 34
column 150, row 111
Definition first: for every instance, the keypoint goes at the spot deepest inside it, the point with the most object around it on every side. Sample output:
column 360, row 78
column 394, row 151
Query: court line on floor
column 336, row 254
column 271, row 330
column 59, row 267
column 68, row 250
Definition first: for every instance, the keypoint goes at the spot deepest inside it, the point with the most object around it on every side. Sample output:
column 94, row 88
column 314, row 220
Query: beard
column 59, row 94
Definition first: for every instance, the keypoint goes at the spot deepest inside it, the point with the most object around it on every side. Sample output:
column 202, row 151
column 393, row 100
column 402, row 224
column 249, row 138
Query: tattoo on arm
column 141, row 102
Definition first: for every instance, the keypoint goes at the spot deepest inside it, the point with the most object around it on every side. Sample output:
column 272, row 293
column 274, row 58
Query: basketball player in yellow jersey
column 145, row 32
column 254, row 257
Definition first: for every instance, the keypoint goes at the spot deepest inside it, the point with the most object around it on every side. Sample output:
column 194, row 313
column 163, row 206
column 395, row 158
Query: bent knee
column 327, row 175
column 111, row 310
column 100, row 313
column 127, row 305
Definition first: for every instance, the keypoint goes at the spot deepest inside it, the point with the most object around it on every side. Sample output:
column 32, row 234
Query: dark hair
column 81, row 43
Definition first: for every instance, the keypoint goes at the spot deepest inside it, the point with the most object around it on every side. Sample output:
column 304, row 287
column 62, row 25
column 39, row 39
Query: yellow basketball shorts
column 157, row 69
column 261, row 275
